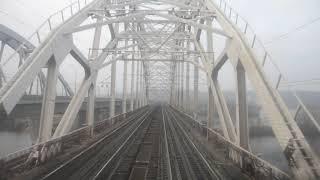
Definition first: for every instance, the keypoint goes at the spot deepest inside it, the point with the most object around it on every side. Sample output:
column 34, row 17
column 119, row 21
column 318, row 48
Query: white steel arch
column 24, row 48
column 162, row 38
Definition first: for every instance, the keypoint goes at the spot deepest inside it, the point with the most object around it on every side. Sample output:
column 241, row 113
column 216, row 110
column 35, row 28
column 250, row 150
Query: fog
column 279, row 26
column 288, row 29
column 283, row 26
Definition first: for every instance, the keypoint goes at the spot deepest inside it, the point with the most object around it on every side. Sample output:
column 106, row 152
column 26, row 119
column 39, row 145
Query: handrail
column 77, row 133
column 265, row 61
column 53, row 21
column 29, row 149
column 232, row 148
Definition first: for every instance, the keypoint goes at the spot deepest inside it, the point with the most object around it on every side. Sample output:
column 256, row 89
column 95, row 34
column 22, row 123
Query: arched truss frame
column 24, row 47
column 189, row 20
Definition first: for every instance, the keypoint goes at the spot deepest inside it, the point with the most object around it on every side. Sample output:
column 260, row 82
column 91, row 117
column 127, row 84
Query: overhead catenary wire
column 287, row 34
column 302, row 82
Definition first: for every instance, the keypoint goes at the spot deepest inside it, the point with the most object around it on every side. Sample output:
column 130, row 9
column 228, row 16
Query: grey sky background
column 296, row 54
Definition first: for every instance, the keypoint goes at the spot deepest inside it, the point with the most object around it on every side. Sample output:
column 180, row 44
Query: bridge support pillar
column 90, row 107
column 242, row 108
column 124, row 96
column 178, row 83
column 132, row 85
column 182, row 85
column 187, row 100
column 226, row 123
column 210, row 57
column 174, row 71
column 172, row 88
column 195, row 89
column 48, row 102
column 113, row 88
column 144, row 92
column 141, row 86
column 92, row 88
column 124, row 91
column 137, row 86
column 210, row 109
column 145, row 97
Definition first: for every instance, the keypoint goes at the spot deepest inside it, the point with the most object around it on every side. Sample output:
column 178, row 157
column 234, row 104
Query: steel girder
column 19, row 43
column 282, row 122
column 166, row 77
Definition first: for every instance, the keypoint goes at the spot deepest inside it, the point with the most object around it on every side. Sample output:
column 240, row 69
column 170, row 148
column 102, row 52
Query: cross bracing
column 162, row 41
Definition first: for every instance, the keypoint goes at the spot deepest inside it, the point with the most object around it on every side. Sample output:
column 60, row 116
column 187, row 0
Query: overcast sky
column 296, row 54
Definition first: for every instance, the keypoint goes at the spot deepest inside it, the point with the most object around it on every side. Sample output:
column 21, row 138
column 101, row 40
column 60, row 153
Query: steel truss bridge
column 169, row 46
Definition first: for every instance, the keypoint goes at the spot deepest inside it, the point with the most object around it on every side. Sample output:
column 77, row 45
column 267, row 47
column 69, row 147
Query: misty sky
column 296, row 54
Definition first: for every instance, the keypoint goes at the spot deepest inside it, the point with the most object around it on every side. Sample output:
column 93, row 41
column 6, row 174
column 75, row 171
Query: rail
column 166, row 146
column 88, row 162
column 245, row 160
column 54, row 146
column 189, row 148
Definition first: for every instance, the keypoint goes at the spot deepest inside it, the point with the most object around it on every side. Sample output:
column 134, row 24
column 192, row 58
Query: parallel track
column 152, row 144
column 221, row 168
column 187, row 162
column 138, row 158
column 87, row 164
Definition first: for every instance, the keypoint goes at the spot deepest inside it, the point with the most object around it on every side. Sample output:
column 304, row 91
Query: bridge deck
column 153, row 143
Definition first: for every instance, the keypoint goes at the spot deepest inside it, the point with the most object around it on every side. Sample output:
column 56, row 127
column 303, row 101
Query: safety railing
column 52, row 147
column 74, row 135
column 249, row 163
column 264, row 60
column 41, row 33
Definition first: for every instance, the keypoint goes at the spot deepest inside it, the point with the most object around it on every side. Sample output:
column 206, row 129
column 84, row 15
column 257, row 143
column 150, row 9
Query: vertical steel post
column 195, row 89
column 182, row 84
column 137, row 85
column 141, row 86
column 124, row 91
column 210, row 56
column 187, row 101
column 172, row 90
column 124, row 95
column 178, row 84
column 113, row 87
column 132, row 84
column 48, row 102
column 90, row 107
column 242, row 108
column 92, row 89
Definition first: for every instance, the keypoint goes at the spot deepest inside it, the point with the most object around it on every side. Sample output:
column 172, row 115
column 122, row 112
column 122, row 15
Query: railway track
column 152, row 144
column 139, row 158
column 187, row 162
column 223, row 169
column 88, row 163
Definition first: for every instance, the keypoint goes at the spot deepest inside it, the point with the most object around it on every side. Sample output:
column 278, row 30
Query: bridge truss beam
column 158, row 44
